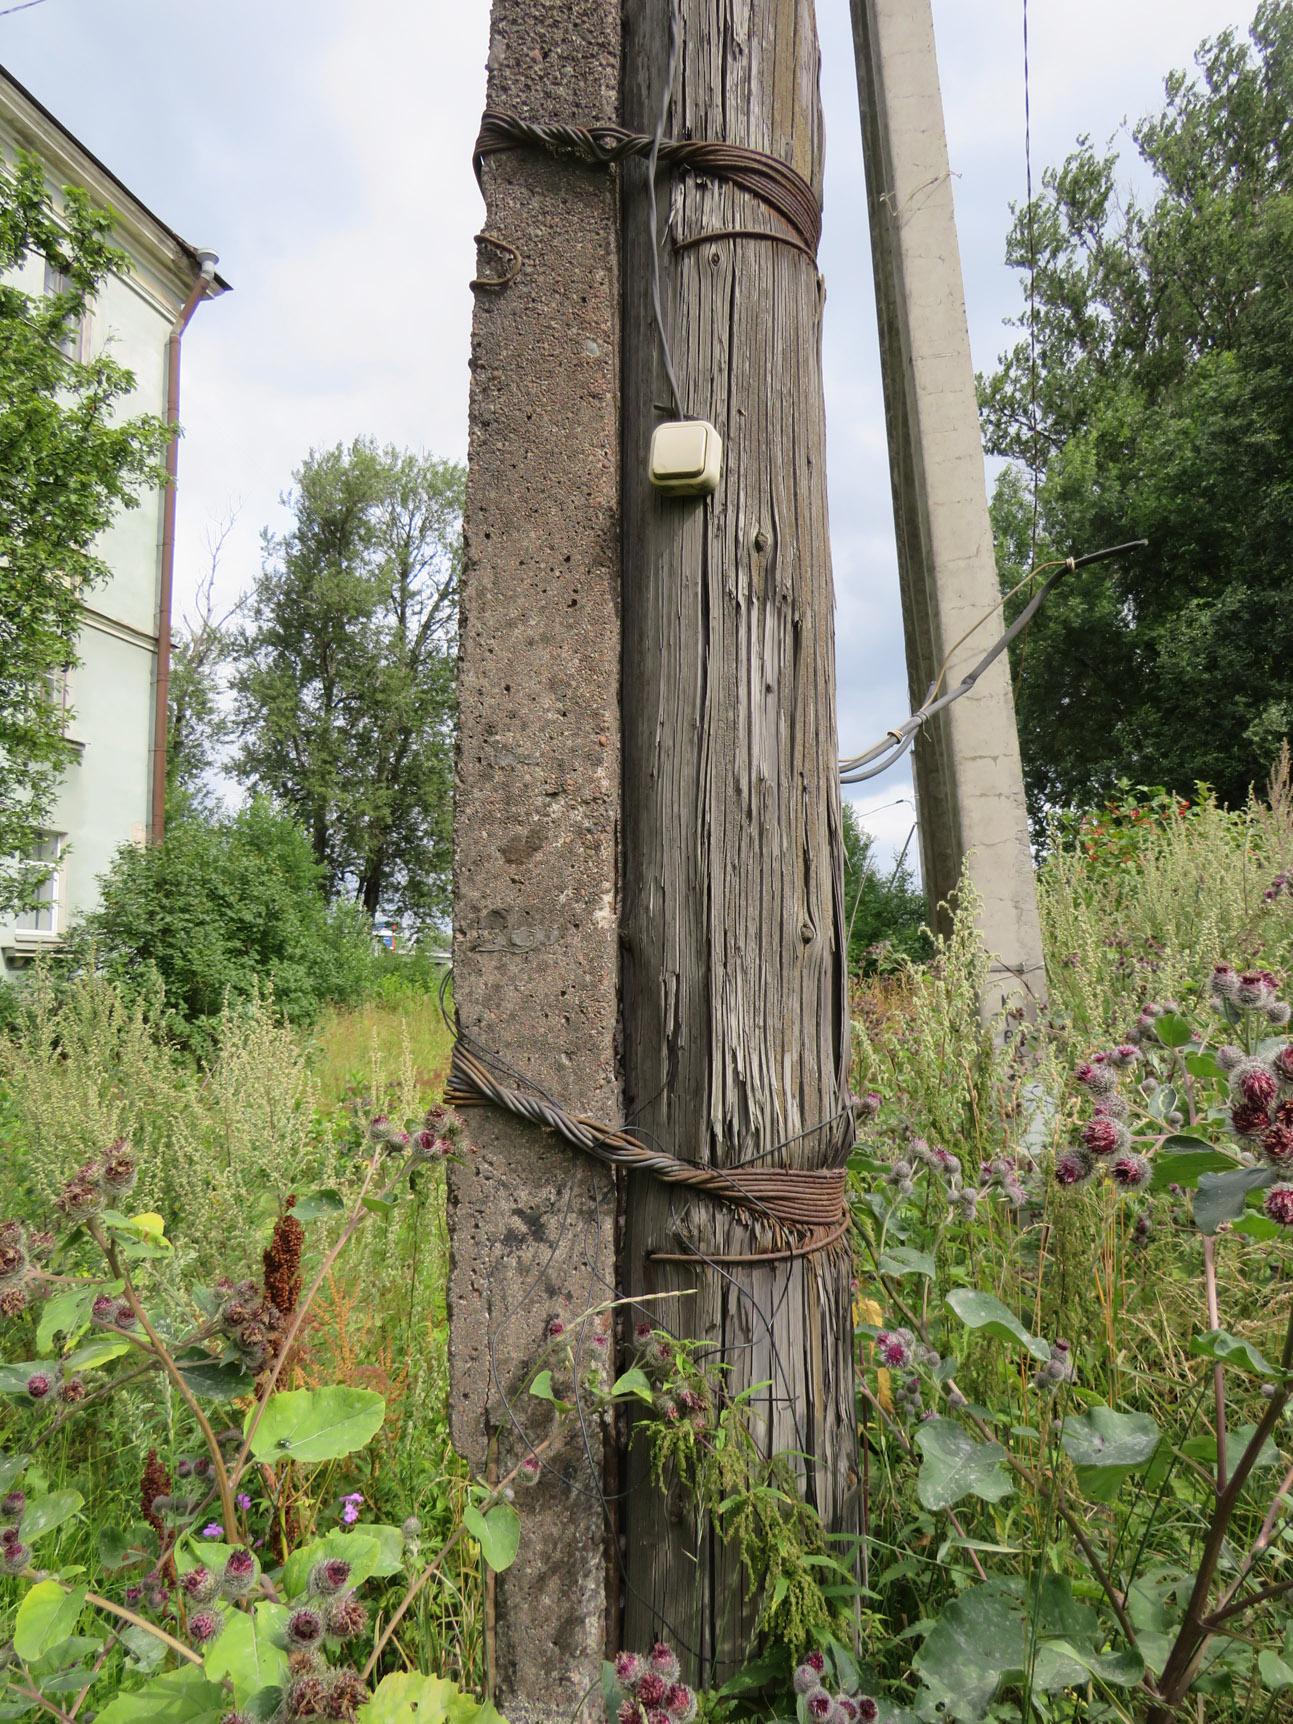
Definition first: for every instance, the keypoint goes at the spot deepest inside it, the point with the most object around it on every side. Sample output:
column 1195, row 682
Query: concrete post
column 536, row 952
column 969, row 783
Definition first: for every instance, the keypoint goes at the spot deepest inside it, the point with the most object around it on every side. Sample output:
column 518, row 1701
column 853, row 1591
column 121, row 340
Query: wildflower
column 1073, row 1167
column 119, row 1171
column 1124, row 1056
column 242, row 1502
column 304, row 1631
column 680, row 1703
column 846, row 1709
column 347, row 1617
column 428, row 1147
column 205, row 1626
column 663, row 1662
column 642, row 1333
column 1223, row 983
column 349, row 1692
column 79, row 1199
column 307, row 1695
column 1130, row 1172
column 868, row 1711
column 239, row 1574
column 1115, row 1106
column 200, row 1585
column 629, row 1667
column 213, row 1529
column 13, row 1302
column 657, row 1715
column 1253, row 1082
column 808, row 1677
column 14, row 1555
column 1256, row 990
column 1279, row 1205
column 350, row 1507
column 652, row 1688
column 530, row 1469
column 13, row 1261
column 71, row 1391
column 38, row 1385
column 556, row 1328
column 866, row 1106
column 1097, row 1078
column 124, row 1316
column 329, row 1575
column 1229, row 1056
column 955, row 1399
column 1277, row 1145
column 13, row 1508
column 819, row 1705
column 894, row 1348
column 104, row 1309
column 412, row 1529
column 1060, row 1367
column 1249, row 1119
column 629, row 1712
column 1282, row 1064
column 1278, row 1014
column 1105, row 1136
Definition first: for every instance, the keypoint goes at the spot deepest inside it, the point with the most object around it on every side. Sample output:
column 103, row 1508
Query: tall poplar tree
column 343, row 672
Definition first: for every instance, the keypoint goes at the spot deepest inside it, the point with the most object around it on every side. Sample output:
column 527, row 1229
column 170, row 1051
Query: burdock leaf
column 317, row 1424
column 1107, row 1447
column 1229, row 1349
column 956, row 1466
column 1222, row 1196
column 982, row 1311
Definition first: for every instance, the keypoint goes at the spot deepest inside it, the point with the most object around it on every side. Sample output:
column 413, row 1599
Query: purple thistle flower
column 868, row 1711
column 213, row 1529
column 652, row 1689
column 629, row 1668
column 1253, row 1082
column 304, row 1631
column 1131, row 1172
column 1249, row 1119
column 205, row 1626
column 1073, row 1167
column 328, row 1576
column 1096, row 1077
column 680, row 1703
column 894, row 1349
column 239, row 1574
column 38, row 1386
column 806, row 1679
column 1105, row 1136
column 663, row 1662
column 819, row 1705
column 1279, row 1205
column 629, row 1712
column 1282, row 1063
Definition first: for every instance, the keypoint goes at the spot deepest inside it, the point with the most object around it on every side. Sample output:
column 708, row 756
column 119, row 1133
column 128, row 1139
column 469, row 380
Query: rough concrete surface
column 537, row 829
column 969, row 782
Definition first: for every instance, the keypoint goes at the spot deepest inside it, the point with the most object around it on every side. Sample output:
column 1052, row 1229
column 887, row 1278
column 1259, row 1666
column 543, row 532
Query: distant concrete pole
column 969, row 784
column 536, row 835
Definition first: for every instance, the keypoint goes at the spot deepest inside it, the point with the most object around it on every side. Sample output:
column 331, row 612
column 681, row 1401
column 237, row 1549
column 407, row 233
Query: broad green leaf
column 982, row 1311
column 1222, row 1196
column 361, row 1549
column 498, row 1533
column 145, row 1648
column 99, row 1350
column 1107, row 1447
column 214, row 1378
column 248, row 1651
column 977, row 1638
column 635, row 1382
column 408, row 1697
column 541, row 1389
column 380, row 1205
column 1256, row 1226
column 1228, row 1349
column 47, row 1614
column 318, row 1206
column 1204, row 1448
column 1273, row 1670
column 183, row 1696
column 46, row 1513
column 1172, row 1030
column 1180, row 1161
column 956, row 1466
column 1060, row 1664
column 1202, row 1066
column 901, row 1260
column 66, row 1314
column 390, row 1542
column 317, row 1424
column 14, row 1378
column 1163, row 1101
column 12, row 1468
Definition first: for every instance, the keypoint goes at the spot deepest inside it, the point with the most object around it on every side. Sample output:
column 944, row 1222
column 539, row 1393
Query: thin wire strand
column 653, row 159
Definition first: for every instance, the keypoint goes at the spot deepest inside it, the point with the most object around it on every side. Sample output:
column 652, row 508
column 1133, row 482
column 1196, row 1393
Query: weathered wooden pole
column 736, row 1041
column 536, row 945
column 969, row 783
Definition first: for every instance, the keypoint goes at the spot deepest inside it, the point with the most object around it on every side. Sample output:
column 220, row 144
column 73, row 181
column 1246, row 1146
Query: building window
column 74, row 343
column 42, row 918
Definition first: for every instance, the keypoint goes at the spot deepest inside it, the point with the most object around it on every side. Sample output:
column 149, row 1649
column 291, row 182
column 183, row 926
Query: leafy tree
column 1164, row 410
column 198, row 724
column 344, row 672
column 224, row 909
column 69, row 458
column 885, row 907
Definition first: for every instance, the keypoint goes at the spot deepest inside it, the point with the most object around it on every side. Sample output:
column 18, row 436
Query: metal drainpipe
column 157, row 826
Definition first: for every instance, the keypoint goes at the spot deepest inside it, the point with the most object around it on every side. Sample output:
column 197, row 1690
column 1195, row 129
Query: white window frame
column 24, row 934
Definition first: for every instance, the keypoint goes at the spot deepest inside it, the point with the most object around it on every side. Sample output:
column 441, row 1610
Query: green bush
column 225, row 909
column 885, row 908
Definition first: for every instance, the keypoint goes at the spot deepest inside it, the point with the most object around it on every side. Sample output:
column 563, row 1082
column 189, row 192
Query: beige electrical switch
column 686, row 457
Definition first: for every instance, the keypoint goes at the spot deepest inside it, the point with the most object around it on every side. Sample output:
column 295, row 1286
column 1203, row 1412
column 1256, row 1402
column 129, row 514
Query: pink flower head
column 304, row 1630
column 658, row 1715
column 199, row 1584
column 663, row 1662
column 531, row 1467
column 1096, row 1077
column 556, row 1328
column 895, row 1352
column 205, row 1626
column 819, row 1705
column 867, row 1106
column 350, row 1507
column 242, row 1502
column 38, row 1385
column 1249, row 1119
column 847, row 1708
column 328, row 1576
column 807, row 1678
column 1253, row 1082
column 1074, row 1166
column 628, row 1668
column 652, row 1689
column 1124, row 1056
column 1282, row 1063
column 1105, row 1136
column 213, row 1529
column 1257, row 990
column 816, row 1661
column 680, row 1703
column 629, row 1712
column 1223, row 983
column 642, row 1333
column 868, row 1711
column 1131, row 1172
column 1279, row 1205
column 1277, row 1145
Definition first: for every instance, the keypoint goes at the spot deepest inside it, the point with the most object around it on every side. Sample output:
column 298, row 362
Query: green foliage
column 1164, row 336
column 70, row 457
column 885, row 908
column 223, row 911
column 344, row 672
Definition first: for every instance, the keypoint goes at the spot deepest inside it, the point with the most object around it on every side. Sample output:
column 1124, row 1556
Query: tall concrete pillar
column 969, row 783
column 536, row 834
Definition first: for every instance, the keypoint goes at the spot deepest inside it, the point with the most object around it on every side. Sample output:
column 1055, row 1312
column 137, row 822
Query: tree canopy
column 1164, row 410
column 343, row 672
column 70, row 457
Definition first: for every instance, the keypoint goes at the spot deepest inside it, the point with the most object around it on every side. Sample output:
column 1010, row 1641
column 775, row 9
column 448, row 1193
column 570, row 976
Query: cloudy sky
column 323, row 148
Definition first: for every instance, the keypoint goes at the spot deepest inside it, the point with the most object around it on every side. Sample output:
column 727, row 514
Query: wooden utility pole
column 536, row 941
column 969, row 783
column 736, row 1046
